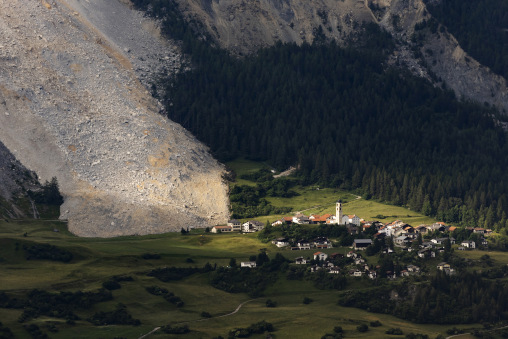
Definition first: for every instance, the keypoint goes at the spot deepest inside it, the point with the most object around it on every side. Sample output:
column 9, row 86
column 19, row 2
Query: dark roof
column 363, row 241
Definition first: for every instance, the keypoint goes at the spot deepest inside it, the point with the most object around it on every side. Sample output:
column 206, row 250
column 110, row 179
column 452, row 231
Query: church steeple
column 338, row 212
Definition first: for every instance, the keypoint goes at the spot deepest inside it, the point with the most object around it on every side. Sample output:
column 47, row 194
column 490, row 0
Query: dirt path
column 204, row 319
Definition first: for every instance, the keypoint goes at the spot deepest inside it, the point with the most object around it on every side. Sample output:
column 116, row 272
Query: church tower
column 338, row 212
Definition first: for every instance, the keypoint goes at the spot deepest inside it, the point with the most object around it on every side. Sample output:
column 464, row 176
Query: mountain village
column 429, row 241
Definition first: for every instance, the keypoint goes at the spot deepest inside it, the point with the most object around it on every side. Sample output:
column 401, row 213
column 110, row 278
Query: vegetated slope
column 243, row 27
column 72, row 107
column 346, row 121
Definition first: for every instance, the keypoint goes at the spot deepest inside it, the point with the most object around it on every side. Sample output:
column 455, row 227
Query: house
column 479, row 230
column 248, row 264
column 359, row 261
column 360, row 244
column 469, row 244
column 351, row 219
column 402, row 241
column 452, row 228
column 404, row 273
column 281, row 242
column 235, row 224
column 221, row 229
column 443, row 266
column 300, row 261
column 320, row 256
column 252, row 226
column 413, row 269
column 441, row 241
column 278, row 222
column 301, row 219
column 355, row 273
column 322, row 242
column 303, row 244
column 423, row 253
column 315, row 268
column 484, row 242
column 372, row 274
column 319, row 219
column 422, row 229
column 334, row 270
column 351, row 254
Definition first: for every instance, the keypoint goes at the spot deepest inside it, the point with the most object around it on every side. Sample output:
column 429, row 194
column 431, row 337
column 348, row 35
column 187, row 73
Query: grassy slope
column 102, row 258
column 313, row 200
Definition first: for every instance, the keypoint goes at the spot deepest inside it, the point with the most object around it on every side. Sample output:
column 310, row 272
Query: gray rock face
column 243, row 26
column 71, row 106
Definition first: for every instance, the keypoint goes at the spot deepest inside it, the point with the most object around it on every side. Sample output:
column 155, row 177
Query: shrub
column 307, row 300
column 111, row 285
column 338, row 329
column 148, row 256
column 394, row 331
column 120, row 316
column 206, row 314
column 175, row 329
column 376, row 323
column 271, row 303
column 362, row 328
column 156, row 290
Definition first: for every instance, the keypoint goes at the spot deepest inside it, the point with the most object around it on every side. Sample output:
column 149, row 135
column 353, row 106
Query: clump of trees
column 119, row 316
column 47, row 252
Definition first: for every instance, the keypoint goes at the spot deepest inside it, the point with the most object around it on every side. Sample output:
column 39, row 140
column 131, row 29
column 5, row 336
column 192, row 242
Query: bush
column 47, row 252
column 362, row 328
column 376, row 323
column 307, row 300
column 338, row 329
column 206, row 314
column 175, row 329
column 394, row 331
column 120, row 316
column 111, row 285
column 271, row 303
column 148, row 256
column 156, row 290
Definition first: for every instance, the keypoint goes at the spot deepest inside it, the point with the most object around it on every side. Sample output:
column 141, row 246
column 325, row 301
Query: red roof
column 318, row 253
column 288, row 218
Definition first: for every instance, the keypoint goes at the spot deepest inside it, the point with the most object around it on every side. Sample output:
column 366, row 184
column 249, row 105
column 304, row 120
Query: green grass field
column 96, row 260
column 99, row 259
column 315, row 200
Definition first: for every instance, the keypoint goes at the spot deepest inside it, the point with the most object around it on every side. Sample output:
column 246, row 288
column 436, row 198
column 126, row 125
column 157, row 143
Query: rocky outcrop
column 243, row 26
column 71, row 106
column 442, row 54
column 15, row 181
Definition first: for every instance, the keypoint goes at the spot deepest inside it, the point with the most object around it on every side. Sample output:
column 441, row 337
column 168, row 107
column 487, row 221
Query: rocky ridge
column 243, row 26
column 71, row 106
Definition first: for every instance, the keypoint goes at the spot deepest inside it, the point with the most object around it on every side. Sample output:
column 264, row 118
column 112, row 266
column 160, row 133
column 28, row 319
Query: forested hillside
column 481, row 27
column 347, row 120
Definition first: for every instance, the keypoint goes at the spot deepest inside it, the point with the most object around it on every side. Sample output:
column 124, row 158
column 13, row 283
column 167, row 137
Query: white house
column 281, row 242
column 334, row 270
column 320, row 256
column 235, row 224
column 221, row 229
column 351, row 219
column 300, row 261
column 249, row 264
column 252, row 226
column 469, row 244
column 301, row 219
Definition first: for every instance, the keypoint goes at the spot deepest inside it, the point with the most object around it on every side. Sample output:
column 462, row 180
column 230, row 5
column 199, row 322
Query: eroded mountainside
column 244, row 26
column 71, row 106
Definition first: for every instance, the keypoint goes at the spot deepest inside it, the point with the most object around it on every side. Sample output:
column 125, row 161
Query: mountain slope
column 244, row 26
column 71, row 106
